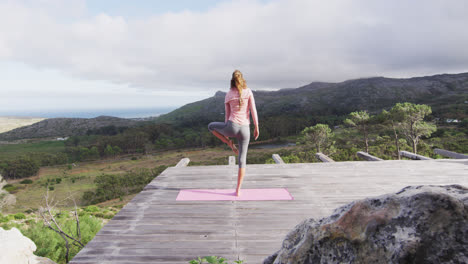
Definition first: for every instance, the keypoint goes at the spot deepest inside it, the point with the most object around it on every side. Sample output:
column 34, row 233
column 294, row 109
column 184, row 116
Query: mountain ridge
column 314, row 100
column 321, row 98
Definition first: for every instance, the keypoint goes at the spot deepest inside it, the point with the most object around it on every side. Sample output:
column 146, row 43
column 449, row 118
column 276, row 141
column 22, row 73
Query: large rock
column 18, row 249
column 423, row 224
column 6, row 198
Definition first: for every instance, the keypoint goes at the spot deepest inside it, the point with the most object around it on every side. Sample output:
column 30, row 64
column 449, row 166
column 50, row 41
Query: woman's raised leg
column 217, row 128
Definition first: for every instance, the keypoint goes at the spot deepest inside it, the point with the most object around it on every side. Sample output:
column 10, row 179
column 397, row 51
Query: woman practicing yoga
column 239, row 103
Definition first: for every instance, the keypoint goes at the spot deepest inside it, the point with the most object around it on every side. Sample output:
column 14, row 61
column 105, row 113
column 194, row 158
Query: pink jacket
column 236, row 115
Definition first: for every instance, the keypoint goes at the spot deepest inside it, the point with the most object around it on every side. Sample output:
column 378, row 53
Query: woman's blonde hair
column 238, row 82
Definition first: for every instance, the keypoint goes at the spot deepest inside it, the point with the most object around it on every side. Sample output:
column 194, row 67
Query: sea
column 90, row 113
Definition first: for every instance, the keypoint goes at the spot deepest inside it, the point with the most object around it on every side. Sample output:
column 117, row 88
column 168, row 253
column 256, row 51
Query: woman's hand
column 256, row 133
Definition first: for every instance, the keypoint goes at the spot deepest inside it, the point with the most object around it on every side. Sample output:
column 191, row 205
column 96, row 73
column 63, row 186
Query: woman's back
column 239, row 113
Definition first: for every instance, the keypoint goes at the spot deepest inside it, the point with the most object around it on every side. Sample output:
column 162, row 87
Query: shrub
column 29, row 211
column 21, row 167
column 58, row 180
column 111, row 186
column 51, row 245
column 26, row 181
column 51, row 188
column 7, row 185
column 19, row 216
column 92, row 209
column 4, row 219
column 10, row 188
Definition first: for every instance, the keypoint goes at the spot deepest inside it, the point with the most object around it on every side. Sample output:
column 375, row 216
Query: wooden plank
column 450, row 154
column 322, row 157
column 183, row 163
column 414, row 156
column 367, row 156
column 277, row 159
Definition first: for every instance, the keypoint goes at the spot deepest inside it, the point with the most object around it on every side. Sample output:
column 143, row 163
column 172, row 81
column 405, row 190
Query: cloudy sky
column 108, row 54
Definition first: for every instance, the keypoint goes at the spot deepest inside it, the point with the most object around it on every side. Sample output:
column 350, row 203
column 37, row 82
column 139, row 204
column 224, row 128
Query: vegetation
column 110, row 186
column 361, row 121
column 124, row 170
column 49, row 243
column 212, row 260
column 412, row 124
column 318, row 137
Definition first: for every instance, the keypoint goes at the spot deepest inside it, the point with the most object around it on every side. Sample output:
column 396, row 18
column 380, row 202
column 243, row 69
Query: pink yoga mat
column 230, row 195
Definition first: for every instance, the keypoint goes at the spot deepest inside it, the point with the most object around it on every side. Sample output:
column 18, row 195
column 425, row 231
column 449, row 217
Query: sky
column 116, row 54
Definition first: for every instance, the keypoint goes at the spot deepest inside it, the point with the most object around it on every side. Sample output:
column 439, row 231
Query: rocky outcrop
column 18, row 249
column 419, row 224
column 6, row 199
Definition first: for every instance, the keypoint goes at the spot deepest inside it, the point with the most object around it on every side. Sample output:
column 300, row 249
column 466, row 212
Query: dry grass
column 10, row 123
column 81, row 177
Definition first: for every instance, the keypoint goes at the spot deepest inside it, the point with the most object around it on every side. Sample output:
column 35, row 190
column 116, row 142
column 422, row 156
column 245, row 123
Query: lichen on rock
column 419, row 224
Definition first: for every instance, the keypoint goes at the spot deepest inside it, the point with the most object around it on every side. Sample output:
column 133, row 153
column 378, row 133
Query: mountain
column 63, row 127
column 292, row 108
column 446, row 93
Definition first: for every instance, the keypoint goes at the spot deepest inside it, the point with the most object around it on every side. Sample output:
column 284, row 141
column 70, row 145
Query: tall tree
column 392, row 119
column 413, row 125
column 318, row 136
column 361, row 121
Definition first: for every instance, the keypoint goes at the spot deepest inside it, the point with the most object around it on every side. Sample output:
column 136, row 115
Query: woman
column 239, row 103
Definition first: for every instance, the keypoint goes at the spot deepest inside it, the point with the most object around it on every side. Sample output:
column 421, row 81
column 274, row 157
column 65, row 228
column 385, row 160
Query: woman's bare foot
column 238, row 193
column 233, row 147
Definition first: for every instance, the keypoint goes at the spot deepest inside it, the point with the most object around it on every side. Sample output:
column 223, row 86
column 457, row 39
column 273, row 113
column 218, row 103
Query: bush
column 7, row 185
column 4, row 219
column 91, row 208
column 51, row 245
column 19, row 216
column 26, row 181
column 29, row 211
column 51, row 188
column 10, row 188
column 58, row 180
column 111, row 186
column 20, row 167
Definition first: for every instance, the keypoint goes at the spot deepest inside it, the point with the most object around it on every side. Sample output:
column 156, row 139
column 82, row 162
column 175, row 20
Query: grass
column 8, row 151
column 10, row 123
column 81, row 177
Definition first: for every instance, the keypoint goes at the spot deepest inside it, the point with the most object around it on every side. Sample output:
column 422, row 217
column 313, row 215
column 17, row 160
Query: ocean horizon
column 89, row 113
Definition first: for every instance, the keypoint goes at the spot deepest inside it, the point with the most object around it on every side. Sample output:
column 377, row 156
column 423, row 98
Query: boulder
column 6, row 199
column 18, row 249
column 419, row 224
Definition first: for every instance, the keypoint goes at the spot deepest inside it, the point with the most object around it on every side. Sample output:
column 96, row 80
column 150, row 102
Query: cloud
column 276, row 44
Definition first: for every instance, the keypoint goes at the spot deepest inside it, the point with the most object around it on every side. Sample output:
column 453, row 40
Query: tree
column 20, row 167
column 109, row 151
column 318, row 136
column 361, row 121
column 49, row 213
column 393, row 119
column 413, row 125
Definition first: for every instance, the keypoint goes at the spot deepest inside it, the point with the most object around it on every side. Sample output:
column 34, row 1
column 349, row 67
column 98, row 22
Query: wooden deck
column 155, row 228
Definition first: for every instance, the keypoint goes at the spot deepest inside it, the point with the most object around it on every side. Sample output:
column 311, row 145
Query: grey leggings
column 242, row 133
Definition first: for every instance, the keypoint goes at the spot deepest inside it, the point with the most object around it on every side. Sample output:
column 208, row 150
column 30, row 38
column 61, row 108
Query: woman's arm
column 253, row 111
column 227, row 111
